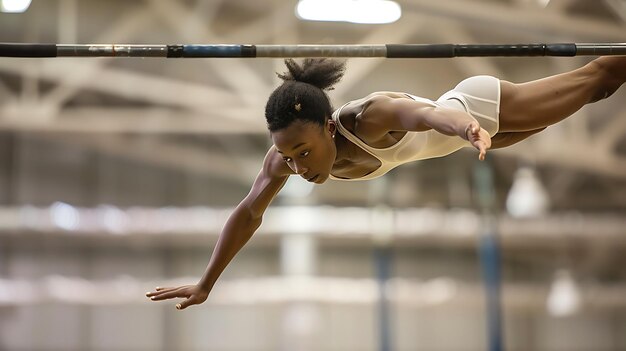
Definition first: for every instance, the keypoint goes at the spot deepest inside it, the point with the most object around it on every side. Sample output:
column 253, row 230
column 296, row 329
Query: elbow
column 255, row 222
column 252, row 218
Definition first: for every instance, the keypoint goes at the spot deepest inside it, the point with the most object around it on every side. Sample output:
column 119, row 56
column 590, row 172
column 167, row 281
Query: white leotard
column 479, row 96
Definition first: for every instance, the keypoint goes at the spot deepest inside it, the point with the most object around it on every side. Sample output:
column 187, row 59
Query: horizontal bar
column 27, row 50
column 606, row 49
column 111, row 50
column 281, row 51
column 284, row 51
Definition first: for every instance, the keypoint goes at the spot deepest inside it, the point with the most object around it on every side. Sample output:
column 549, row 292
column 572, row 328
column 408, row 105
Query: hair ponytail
column 322, row 73
column 302, row 95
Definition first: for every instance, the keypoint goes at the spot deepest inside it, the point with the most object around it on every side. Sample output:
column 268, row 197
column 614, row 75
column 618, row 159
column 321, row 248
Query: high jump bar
column 295, row 51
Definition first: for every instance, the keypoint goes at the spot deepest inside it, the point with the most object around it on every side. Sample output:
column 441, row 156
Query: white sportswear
column 478, row 95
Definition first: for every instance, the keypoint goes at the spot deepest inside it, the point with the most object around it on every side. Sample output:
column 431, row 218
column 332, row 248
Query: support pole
column 489, row 253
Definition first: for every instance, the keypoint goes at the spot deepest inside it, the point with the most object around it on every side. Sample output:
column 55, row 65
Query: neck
column 344, row 148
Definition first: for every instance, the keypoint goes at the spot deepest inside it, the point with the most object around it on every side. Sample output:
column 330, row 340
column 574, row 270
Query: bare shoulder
column 376, row 111
column 356, row 111
column 388, row 102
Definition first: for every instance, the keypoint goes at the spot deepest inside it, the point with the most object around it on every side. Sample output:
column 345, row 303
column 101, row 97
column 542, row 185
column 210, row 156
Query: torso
column 359, row 162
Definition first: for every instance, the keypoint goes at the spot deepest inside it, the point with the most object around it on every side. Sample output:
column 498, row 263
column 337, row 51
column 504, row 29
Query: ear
column 331, row 126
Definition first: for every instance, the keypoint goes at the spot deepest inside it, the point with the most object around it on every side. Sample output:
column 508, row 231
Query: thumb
column 186, row 303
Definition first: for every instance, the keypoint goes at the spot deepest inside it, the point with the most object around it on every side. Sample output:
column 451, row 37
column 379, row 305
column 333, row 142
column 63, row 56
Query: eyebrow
column 293, row 148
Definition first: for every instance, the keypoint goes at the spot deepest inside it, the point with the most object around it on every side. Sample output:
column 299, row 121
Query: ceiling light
column 14, row 6
column 564, row 298
column 527, row 197
column 353, row 11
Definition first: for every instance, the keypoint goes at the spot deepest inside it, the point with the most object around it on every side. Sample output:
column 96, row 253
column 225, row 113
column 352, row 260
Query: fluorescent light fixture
column 353, row 11
column 64, row 216
column 14, row 6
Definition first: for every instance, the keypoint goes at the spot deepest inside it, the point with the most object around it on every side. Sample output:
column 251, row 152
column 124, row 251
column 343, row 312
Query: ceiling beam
column 585, row 158
column 78, row 77
column 240, row 77
column 133, row 85
column 150, row 120
column 183, row 158
column 508, row 17
column 618, row 7
column 360, row 69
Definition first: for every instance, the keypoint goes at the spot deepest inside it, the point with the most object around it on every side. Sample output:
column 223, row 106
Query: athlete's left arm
column 394, row 114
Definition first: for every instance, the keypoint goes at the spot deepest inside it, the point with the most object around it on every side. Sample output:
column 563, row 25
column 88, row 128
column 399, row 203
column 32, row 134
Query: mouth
column 313, row 179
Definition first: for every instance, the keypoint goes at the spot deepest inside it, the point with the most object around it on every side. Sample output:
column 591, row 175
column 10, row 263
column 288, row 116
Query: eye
column 304, row 154
column 287, row 159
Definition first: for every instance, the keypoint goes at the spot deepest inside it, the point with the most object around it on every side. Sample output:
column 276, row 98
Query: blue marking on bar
column 212, row 51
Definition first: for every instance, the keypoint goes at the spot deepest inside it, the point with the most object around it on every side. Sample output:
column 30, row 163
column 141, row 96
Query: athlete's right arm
column 239, row 228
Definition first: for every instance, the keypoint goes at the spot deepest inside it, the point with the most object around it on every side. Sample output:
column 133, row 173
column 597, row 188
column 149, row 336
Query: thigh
column 504, row 139
column 543, row 102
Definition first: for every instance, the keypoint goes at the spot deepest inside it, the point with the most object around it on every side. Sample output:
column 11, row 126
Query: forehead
column 296, row 133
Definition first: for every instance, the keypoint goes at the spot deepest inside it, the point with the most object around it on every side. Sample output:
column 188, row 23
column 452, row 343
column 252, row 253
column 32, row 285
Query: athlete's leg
column 540, row 103
column 505, row 139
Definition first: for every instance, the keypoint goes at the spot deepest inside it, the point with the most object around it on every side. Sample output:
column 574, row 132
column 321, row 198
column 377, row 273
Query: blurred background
column 117, row 175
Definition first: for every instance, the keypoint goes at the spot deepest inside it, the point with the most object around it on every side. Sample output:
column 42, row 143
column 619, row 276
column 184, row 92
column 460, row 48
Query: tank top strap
column 353, row 138
column 384, row 166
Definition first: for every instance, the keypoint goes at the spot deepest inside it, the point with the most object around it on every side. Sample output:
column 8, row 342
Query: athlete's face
column 308, row 149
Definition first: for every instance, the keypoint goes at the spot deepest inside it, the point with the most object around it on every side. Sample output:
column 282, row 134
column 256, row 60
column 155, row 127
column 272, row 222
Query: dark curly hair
column 302, row 94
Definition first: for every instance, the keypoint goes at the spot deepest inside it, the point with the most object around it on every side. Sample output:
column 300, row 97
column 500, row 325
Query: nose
column 300, row 169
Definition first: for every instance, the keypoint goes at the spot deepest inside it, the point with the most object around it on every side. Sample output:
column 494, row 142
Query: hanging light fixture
column 564, row 297
column 527, row 197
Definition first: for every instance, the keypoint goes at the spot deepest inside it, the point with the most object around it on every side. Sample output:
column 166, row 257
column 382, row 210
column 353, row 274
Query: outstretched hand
column 479, row 138
column 193, row 295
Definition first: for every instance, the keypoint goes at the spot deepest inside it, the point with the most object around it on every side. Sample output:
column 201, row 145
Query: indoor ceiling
column 205, row 116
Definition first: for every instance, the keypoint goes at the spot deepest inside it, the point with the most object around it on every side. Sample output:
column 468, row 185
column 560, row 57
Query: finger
column 152, row 293
column 158, row 291
column 481, row 149
column 184, row 304
column 168, row 295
